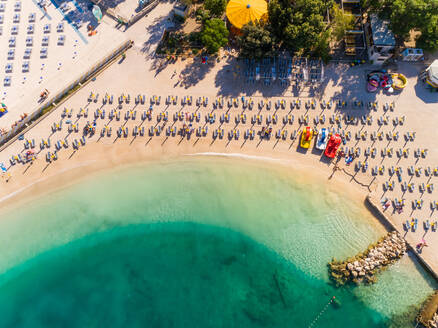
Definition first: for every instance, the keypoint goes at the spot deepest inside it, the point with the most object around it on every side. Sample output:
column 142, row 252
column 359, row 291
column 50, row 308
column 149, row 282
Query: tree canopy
column 215, row 7
column 341, row 22
column 428, row 39
column 299, row 24
column 255, row 41
column 407, row 15
column 214, row 35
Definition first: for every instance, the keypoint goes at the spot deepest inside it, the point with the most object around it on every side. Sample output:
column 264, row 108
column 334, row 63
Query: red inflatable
column 332, row 146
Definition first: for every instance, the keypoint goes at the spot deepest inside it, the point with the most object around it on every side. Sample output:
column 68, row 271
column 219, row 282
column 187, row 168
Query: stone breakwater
column 428, row 316
column 364, row 266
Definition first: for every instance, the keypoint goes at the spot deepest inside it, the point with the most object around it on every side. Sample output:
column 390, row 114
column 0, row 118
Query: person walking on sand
column 421, row 245
column 44, row 94
column 424, row 243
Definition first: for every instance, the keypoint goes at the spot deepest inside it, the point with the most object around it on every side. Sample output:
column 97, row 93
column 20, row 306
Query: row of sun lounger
column 303, row 119
column 413, row 225
column 246, row 102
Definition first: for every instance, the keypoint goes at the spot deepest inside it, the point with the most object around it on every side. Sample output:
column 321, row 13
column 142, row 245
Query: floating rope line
column 322, row 311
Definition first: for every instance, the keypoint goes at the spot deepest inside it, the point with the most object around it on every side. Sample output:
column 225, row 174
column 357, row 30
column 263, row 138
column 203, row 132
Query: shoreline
column 277, row 169
column 69, row 175
column 25, row 188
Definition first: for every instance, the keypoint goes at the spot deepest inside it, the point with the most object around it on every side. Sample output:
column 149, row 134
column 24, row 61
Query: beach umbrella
column 241, row 12
column 97, row 12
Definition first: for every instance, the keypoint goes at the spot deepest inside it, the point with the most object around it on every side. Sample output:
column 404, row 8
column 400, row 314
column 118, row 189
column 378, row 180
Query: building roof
column 181, row 6
column 382, row 35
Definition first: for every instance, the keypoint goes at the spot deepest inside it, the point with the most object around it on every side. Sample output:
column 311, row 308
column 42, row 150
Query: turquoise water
column 194, row 243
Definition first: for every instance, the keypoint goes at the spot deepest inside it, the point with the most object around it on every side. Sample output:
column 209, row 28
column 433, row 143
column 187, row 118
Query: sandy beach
column 57, row 51
column 141, row 73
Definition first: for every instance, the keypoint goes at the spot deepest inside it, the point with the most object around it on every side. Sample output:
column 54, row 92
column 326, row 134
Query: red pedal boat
column 332, row 146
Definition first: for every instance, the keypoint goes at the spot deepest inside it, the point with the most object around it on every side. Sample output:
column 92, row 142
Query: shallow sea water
column 195, row 243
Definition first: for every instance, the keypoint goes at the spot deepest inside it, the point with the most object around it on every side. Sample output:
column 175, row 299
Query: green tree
column 407, row 15
column 215, row 7
column 255, row 41
column 428, row 39
column 322, row 48
column 341, row 22
column 372, row 6
column 202, row 15
column 188, row 3
column 299, row 24
column 214, row 35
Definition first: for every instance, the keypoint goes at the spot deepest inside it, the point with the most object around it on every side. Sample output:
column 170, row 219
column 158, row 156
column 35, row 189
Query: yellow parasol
column 241, row 12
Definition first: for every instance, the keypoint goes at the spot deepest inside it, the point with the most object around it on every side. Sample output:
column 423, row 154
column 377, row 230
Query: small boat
column 322, row 140
column 332, row 146
column 306, row 137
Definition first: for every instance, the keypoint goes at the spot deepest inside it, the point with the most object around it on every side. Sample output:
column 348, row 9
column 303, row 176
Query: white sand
column 63, row 64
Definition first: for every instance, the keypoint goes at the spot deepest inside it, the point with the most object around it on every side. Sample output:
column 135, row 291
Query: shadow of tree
column 350, row 86
column 155, row 31
column 231, row 82
column 421, row 89
column 352, row 82
column 77, row 12
column 112, row 4
column 195, row 72
column 425, row 92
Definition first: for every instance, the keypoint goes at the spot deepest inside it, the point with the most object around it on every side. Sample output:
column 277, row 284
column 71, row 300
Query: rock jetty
column 428, row 316
column 364, row 266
